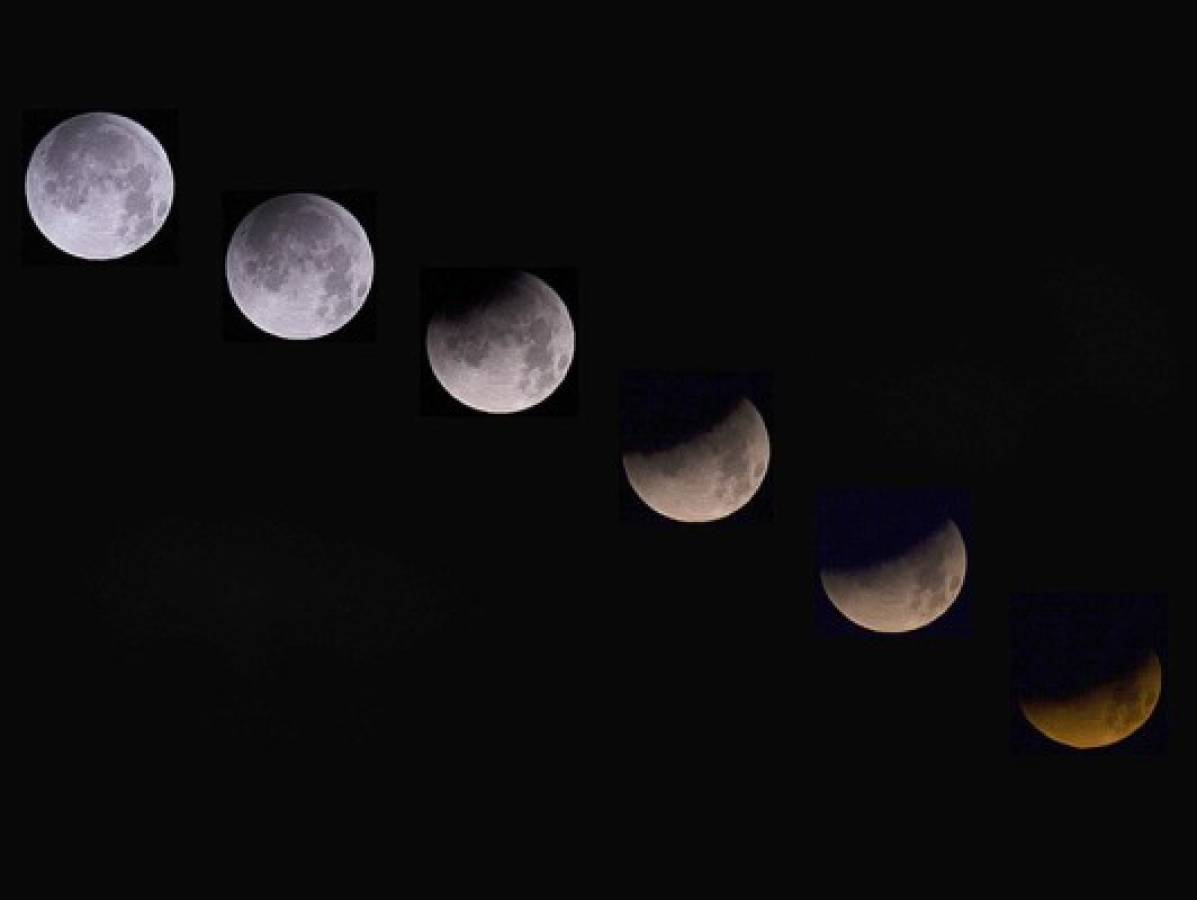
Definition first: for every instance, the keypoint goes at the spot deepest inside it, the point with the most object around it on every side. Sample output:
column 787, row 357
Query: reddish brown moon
column 1102, row 714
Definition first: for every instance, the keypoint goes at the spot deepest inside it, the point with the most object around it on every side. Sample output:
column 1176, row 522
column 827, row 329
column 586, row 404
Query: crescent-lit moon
column 509, row 351
column 299, row 266
column 99, row 186
column 906, row 592
column 1103, row 714
column 709, row 476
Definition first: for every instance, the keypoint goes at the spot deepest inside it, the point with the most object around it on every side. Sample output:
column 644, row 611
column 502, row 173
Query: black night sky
column 243, row 543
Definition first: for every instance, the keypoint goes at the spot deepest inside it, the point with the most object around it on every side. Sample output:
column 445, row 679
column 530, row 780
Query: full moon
column 709, row 476
column 1104, row 713
column 506, row 351
column 906, row 592
column 299, row 266
column 99, row 186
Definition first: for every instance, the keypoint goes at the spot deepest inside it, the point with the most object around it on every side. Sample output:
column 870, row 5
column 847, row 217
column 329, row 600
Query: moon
column 708, row 477
column 508, row 351
column 1103, row 714
column 906, row 592
column 299, row 266
column 99, row 186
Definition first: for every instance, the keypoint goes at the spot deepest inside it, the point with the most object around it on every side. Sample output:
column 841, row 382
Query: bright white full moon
column 99, row 186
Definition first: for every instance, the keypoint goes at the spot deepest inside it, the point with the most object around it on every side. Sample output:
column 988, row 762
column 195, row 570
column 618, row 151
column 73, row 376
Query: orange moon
column 1101, row 715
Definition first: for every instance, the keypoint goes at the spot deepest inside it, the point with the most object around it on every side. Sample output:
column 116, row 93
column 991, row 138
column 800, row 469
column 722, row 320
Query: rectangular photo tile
column 99, row 187
column 1088, row 674
column 498, row 341
column 299, row 266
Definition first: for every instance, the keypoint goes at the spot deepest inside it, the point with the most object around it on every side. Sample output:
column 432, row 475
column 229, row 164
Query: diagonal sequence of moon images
column 300, row 266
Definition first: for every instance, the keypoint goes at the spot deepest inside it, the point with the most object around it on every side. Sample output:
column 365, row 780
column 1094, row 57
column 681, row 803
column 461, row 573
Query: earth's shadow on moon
column 659, row 411
column 861, row 527
column 362, row 327
column 163, row 249
column 453, row 293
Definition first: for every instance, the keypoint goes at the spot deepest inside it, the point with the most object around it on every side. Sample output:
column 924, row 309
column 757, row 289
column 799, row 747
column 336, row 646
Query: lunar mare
column 906, row 592
column 299, row 266
column 99, row 186
column 1103, row 714
column 708, row 477
column 507, row 352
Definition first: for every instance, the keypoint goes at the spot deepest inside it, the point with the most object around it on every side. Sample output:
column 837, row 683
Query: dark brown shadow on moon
column 1066, row 646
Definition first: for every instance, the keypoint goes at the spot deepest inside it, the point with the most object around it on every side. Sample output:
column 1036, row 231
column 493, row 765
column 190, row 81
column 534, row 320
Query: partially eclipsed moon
column 906, row 592
column 99, row 186
column 299, row 266
column 508, row 351
column 708, row 477
column 1103, row 714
